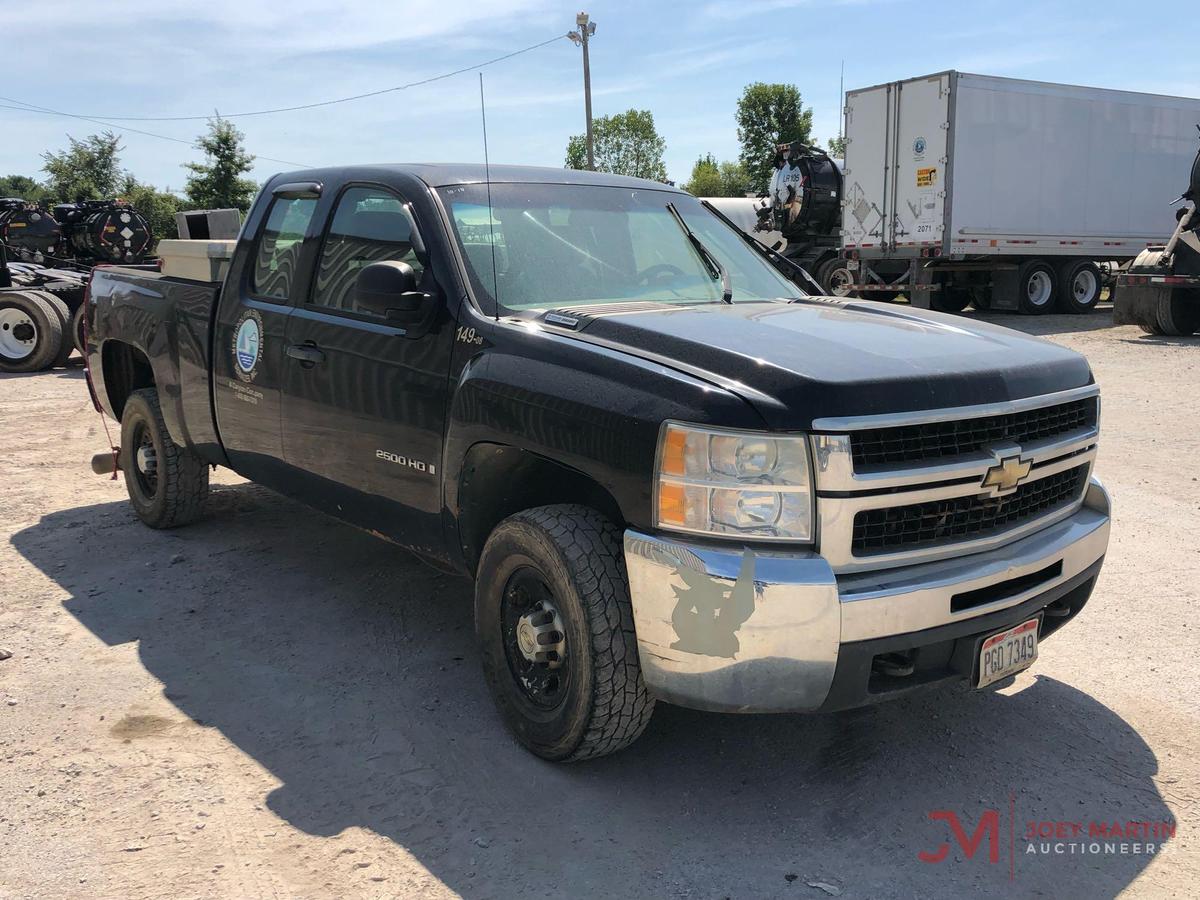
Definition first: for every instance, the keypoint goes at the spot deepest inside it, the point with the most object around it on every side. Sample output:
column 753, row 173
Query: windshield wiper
column 715, row 269
column 788, row 268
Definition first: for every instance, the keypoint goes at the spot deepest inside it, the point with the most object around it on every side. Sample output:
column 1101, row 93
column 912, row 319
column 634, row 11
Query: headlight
column 734, row 484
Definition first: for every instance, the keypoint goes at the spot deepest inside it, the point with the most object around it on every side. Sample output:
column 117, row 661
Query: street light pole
column 586, row 29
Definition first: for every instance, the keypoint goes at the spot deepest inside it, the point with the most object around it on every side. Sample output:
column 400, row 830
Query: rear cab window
column 278, row 252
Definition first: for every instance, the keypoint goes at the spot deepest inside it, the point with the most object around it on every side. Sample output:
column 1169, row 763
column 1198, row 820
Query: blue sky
column 686, row 62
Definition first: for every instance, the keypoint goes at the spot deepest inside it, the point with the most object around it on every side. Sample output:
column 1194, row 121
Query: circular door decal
column 247, row 345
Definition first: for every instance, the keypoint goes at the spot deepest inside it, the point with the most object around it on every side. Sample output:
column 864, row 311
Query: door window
column 278, row 252
column 370, row 225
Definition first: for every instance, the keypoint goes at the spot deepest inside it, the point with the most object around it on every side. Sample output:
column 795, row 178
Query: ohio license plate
column 1008, row 652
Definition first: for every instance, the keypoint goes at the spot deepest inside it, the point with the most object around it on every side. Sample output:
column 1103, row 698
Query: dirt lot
column 271, row 704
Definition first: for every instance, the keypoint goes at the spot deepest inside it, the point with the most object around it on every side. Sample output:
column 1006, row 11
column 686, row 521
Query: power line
column 303, row 106
column 29, row 107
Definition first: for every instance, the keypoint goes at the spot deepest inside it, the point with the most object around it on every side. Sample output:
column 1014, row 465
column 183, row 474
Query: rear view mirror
column 389, row 290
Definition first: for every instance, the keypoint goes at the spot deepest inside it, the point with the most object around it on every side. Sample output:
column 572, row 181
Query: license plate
column 1008, row 652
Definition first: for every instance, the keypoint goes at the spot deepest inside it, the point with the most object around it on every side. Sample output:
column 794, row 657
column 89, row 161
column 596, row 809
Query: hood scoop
column 578, row 317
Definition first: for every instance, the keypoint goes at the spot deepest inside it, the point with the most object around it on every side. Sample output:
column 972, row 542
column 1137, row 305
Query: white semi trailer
column 1005, row 193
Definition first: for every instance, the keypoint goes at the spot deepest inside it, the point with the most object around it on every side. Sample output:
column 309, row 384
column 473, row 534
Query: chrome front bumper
column 737, row 630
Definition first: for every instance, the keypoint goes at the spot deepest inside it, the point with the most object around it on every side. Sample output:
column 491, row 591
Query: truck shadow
column 348, row 670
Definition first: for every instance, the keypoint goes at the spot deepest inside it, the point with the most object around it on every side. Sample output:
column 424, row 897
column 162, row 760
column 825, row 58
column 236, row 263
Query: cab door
column 364, row 404
column 248, row 360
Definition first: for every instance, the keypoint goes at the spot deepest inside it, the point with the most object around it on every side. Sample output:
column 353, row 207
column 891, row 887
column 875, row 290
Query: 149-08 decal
column 247, row 345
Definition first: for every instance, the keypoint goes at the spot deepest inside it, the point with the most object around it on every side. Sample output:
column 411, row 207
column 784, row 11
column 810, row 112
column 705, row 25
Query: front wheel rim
column 1084, row 287
column 18, row 334
column 1038, row 288
column 535, row 640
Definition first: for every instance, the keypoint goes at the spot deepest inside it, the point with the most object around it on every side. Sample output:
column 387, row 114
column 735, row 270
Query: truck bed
column 168, row 322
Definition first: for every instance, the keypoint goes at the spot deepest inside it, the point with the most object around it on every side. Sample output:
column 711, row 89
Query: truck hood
column 796, row 362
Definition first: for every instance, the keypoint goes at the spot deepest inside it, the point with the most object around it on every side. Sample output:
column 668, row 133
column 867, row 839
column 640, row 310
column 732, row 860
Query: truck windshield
column 569, row 245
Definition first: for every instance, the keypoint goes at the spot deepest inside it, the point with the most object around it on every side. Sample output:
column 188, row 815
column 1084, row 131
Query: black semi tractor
column 1161, row 290
column 45, row 257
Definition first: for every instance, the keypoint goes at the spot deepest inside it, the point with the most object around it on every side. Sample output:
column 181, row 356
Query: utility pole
column 841, row 101
column 586, row 30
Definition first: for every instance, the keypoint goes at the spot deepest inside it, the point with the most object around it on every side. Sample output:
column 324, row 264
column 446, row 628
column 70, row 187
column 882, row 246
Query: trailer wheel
column 1080, row 283
column 1179, row 313
column 835, row 277
column 66, row 345
column 167, row 484
column 1036, row 287
column 555, row 628
column 30, row 333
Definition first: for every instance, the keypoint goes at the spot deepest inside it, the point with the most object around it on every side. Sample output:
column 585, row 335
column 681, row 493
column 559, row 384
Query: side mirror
column 389, row 290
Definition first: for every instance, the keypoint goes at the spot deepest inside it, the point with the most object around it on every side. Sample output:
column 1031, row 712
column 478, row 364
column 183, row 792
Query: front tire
column 555, row 629
column 167, row 484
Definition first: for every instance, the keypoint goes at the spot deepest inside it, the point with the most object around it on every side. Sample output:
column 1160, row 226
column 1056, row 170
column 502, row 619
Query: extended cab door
column 364, row 403
column 248, row 341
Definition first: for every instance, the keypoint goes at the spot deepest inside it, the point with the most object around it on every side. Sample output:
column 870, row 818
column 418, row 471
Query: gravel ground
column 271, row 704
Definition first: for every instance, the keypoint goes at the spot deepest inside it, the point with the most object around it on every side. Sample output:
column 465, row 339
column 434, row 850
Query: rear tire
column 30, row 332
column 1080, row 283
column 1037, row 285
column 555, row 629
column 167, row 484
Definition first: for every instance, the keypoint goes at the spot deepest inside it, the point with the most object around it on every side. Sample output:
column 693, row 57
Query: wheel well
column 498, row 480
column 126, row 369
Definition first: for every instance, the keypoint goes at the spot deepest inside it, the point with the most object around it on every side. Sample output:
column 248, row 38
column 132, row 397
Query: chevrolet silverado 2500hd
column 672, row 475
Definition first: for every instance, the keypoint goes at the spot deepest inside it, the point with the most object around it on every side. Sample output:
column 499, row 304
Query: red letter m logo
column 989, row 824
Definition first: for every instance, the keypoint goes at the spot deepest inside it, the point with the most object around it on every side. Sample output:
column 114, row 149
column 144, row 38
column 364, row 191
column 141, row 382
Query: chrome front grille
column 900, row 490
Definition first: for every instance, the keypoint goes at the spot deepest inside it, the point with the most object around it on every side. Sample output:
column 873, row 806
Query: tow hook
column 108, row 462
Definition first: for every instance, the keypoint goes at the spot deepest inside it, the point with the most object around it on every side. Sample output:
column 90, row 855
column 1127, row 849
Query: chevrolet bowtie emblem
column 1004, row 477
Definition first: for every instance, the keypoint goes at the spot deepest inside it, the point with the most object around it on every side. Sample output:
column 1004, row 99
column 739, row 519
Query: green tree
column 625, row 144
column 735, row 180
column 713, row 179
column 22, row 187
column 217, row 183
column 837, row 147
column 706, row 178
column 769, row 114
column 87, row 170
column 158, row 207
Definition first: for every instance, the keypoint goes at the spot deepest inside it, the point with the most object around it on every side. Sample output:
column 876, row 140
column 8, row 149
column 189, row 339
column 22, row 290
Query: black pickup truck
column 671, row 473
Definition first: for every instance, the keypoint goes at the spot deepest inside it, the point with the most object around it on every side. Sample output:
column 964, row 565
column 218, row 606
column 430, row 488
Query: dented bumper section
column 739, row 630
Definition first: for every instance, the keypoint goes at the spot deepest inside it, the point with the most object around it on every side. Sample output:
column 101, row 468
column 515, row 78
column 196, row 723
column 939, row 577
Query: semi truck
column 44, row 259
column 1005, row 193
column 672, row 474
column 1161, row 290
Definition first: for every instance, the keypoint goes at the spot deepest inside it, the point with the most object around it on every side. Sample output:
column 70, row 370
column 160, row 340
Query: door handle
column 306, row 353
